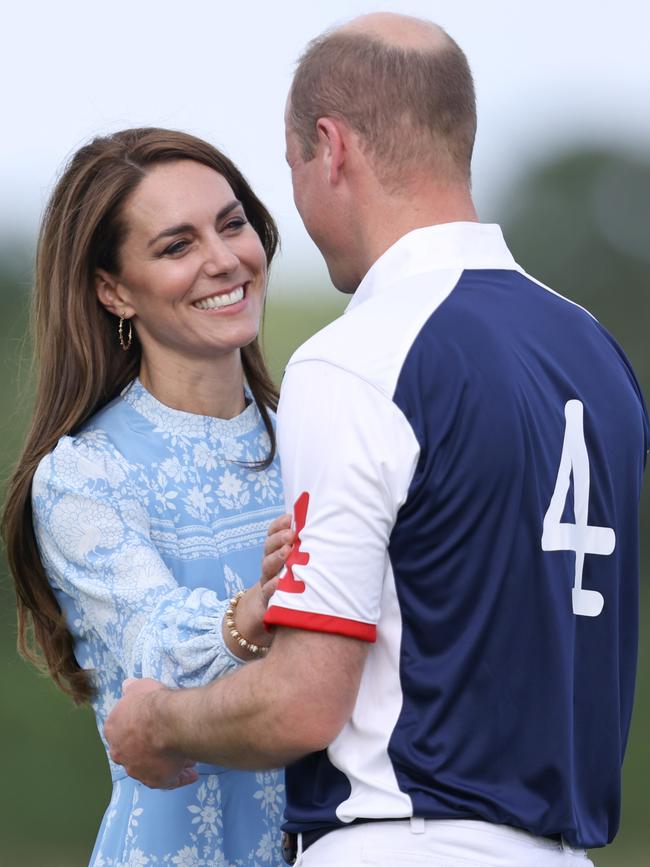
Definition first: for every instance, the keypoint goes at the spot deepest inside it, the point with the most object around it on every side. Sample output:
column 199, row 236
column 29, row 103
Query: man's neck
column 389, row 218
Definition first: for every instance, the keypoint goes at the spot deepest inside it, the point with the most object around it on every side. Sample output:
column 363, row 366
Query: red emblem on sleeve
column 288, row 584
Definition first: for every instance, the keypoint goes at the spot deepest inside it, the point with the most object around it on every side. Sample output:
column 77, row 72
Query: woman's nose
column 219, row 258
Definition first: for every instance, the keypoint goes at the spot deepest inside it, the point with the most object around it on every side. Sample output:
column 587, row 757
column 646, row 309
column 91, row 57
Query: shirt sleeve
column 348, row 455
column 92, row 531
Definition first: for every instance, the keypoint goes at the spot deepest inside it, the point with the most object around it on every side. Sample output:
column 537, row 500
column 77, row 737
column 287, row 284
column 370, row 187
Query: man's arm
column 268, row 714
column 348, row 456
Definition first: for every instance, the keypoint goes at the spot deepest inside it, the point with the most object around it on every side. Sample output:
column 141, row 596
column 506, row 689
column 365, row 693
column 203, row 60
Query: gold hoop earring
column 125, row 344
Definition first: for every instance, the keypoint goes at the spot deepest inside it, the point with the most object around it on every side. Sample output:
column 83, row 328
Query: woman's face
column 192, row 268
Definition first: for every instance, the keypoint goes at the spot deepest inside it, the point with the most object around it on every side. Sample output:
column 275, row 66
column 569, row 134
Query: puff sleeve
column 92, row 529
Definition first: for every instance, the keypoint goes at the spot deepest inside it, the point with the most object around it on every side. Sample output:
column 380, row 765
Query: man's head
column 402, row 84
column 380, row 120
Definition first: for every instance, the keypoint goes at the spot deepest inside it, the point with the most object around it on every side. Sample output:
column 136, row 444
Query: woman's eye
column 176, row 247
column 236, row 223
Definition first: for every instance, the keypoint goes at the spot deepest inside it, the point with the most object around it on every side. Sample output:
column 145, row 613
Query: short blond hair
column 412, row 108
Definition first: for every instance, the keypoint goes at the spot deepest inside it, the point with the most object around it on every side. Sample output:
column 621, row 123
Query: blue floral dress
column 148, row 521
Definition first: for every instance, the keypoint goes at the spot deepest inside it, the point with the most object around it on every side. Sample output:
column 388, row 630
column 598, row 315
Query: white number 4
column 578, row 537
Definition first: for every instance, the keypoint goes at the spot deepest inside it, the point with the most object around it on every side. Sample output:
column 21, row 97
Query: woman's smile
column 221, row 300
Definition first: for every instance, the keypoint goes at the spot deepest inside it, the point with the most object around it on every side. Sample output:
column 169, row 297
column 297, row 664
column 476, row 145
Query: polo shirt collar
column 445, row 247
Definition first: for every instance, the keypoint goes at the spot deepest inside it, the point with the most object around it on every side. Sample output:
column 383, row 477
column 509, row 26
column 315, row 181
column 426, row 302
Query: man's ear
column 332, row 136
column 112, row 294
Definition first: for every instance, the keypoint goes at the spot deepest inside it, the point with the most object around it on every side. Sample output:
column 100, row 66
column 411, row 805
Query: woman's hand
column 276, row 550
column 252, row 606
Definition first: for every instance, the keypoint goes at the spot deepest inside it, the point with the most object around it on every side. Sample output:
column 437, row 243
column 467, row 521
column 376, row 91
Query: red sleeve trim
column 277, row 616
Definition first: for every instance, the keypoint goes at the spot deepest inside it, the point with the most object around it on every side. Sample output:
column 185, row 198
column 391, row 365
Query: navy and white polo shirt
column 463, row 450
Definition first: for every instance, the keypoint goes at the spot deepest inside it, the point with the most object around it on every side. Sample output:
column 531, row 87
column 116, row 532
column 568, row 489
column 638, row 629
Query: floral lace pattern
column 208, row 839
column 148, row 520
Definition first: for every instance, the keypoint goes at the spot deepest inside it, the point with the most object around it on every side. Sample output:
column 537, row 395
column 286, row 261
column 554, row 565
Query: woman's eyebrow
column 173, row 230
column 228, row 208
column 189, row 227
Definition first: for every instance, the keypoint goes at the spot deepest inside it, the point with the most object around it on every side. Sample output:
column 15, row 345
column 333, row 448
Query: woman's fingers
column 277, row 540
column 268, row 590
column 279, row 524
column 272, row 563
column 277, row 548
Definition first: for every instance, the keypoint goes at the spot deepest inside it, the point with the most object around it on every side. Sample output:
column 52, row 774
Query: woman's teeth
column 224, row 300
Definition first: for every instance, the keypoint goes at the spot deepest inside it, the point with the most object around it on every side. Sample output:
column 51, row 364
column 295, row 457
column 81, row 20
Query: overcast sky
column 547, row 75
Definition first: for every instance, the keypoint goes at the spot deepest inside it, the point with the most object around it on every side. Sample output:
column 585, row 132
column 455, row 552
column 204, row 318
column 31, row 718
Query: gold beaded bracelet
column 255, row 649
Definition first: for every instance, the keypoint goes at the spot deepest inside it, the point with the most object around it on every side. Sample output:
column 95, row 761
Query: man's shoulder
column 373, row 337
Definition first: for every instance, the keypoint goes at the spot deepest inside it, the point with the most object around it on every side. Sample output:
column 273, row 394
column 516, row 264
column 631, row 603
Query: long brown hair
column 79, row 364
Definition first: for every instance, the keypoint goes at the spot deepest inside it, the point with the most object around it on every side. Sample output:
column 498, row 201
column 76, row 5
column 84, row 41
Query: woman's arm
column 93, row 534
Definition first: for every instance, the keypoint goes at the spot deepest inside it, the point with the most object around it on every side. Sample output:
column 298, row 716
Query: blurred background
column 562, row 162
